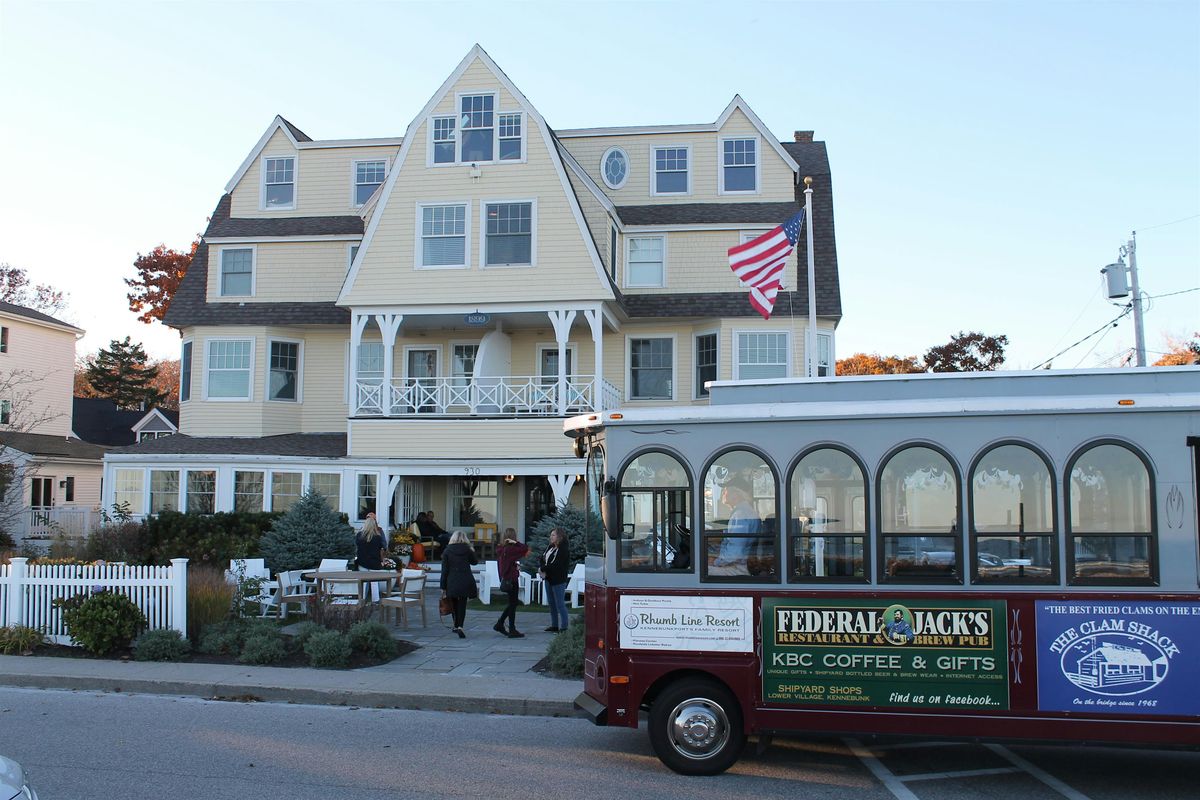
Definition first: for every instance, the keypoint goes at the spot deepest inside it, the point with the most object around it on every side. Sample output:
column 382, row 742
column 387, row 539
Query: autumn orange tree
column 875, row 364
column 159, row 274
column 1181, row 353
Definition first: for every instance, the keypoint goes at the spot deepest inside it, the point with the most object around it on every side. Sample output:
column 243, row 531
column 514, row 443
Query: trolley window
column 919, row 517
column 656, row 526
column 1110, row 517
column 740, row 527
column 828, row 520
column 594, row 533
column 1013, row 531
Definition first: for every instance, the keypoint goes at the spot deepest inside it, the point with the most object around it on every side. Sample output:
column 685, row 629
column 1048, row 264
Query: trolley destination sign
column 902, row 653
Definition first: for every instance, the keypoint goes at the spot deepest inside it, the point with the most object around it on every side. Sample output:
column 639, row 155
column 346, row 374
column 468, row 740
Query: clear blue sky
column 988, row 158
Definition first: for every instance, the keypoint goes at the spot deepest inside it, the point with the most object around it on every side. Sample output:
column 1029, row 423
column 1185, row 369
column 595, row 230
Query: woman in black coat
column 458, row 582
column 556, row 563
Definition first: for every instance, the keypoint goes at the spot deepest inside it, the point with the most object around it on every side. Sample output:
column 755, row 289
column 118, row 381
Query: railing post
column 15, row 607
column 179, row 595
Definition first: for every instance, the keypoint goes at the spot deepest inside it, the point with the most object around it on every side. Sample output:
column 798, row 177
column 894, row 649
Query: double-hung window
column 368, row 175
column 164, row 490
column 739, row 165
column 283, row 377
column 279, row 183
column 5, row 412
column 761, row 354
column 510, row 137
column 444, row 236
column 201, row 491
column 185, row 373
column 285, row 490
column 478, row 118
column 443, row 140
column 329, row 486
column 237, row 272
column 129, row 489
column 4, row 339
column 706, row 362
column 229, row 369
column 671, row 170
column 462, row 364
column 651, row 369
column 248, row 491
column 824, row 355
column 509, row 234
column 644, row 266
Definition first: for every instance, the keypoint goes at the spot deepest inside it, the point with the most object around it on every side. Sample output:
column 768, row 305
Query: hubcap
column 698, row 728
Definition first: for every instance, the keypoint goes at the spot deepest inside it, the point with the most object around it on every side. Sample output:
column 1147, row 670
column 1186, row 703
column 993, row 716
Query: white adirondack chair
column 575, row 586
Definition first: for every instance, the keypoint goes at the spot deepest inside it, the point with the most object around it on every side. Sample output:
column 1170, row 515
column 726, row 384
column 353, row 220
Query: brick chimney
column 804, row 136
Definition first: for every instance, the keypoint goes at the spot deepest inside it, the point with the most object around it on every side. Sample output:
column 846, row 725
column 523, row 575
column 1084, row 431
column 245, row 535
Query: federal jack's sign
column 899, row 653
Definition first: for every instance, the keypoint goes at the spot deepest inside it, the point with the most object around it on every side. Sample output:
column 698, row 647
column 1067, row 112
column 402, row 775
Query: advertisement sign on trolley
column 899, row 654
column 703, row 624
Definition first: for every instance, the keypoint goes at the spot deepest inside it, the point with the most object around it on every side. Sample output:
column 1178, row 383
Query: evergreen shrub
column 307, row 533
column 572, row 520
column 372, row 639
column 565, row 653
column 102, row 623
column 161, row 645
column 328, row 649
column 263, row 647
column 213, row 539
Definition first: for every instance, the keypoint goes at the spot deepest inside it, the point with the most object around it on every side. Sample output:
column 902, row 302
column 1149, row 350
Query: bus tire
column 696, row 727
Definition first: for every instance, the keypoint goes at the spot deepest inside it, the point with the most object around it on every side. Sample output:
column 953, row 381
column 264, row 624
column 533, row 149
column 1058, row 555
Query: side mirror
column 610, row 510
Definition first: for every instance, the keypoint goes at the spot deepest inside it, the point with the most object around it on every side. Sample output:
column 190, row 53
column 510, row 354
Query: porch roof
column 46, row 445
column 312, row 445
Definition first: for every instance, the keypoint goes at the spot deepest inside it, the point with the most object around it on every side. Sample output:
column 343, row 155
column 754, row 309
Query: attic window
column 443, row 140
column 368, row 175
column 478, row 121
column 279, row 183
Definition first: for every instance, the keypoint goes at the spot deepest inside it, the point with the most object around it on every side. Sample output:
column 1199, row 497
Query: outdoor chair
column 293, row 591
column 246, row 568
column 410, row 595
column 338, row 592
column 491, row 581
column 575, row 586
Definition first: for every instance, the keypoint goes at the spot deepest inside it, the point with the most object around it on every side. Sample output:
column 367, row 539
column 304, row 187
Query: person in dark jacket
column 458, row 583
column 555, row 565
column 429, row 528
column 370, row 544
column 509, row 555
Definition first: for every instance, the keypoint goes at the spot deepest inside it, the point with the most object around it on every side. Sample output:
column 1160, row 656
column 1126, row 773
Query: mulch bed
column 294, row 659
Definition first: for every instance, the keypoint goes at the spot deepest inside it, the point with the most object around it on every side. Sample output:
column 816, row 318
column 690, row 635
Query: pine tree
column 570, row 519
column 308, row 532
column 121, row 374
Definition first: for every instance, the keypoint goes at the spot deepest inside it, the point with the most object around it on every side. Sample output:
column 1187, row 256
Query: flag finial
column 808, row 180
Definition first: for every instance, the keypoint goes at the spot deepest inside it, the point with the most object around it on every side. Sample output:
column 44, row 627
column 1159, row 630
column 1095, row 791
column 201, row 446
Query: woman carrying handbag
column 458, row 582
column 510, row 554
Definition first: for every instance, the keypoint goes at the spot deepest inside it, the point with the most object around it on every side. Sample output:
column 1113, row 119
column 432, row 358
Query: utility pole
column 1139, row 335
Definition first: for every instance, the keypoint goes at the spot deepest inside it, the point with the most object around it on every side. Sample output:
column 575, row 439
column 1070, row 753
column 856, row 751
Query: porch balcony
column 507, row 396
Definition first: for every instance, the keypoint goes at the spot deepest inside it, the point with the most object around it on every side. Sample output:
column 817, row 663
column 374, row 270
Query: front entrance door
column 422, row 371
column 43, row 493
column 539, row 501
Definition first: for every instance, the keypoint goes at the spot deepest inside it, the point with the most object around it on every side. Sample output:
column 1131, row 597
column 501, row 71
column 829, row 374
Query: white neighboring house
column 49, row 478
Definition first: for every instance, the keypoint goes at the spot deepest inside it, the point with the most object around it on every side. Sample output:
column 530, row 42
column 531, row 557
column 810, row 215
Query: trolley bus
column 999, row 556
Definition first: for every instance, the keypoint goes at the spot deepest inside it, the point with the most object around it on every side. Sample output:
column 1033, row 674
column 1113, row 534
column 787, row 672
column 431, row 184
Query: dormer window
column 739, row 165
column 671, row 174
column 279, row 183
column 443, row 140
column 477, row 119
column 368, row 175
column 510, row 137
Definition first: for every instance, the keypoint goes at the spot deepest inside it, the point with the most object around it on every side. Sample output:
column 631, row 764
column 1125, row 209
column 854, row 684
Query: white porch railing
column 509, row 396
column 28, row 592
column 41, row 523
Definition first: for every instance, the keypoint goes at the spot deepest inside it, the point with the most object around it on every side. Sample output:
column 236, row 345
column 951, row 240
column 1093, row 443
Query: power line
column 1165, row 224
column 1112, row 322
column 1170, row 294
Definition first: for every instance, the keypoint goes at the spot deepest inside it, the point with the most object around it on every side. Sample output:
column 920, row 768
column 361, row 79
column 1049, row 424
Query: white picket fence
column 28, row 592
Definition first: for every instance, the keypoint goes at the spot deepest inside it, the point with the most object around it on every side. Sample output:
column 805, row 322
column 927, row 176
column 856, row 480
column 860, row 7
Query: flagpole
column 810, row 351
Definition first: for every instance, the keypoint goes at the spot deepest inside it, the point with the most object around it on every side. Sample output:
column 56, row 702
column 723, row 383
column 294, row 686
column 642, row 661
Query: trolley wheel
column 696, row 727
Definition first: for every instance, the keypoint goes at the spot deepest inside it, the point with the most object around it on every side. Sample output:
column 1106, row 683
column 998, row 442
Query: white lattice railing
column 515, row 396
column 28, row 592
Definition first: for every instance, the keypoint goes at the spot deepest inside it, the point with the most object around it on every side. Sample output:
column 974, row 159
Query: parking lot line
column 1037, row 772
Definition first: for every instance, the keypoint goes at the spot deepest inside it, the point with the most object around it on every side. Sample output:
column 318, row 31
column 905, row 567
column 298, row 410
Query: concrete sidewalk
column 484, row 673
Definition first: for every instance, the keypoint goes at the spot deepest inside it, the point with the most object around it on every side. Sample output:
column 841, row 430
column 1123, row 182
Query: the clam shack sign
column 478, row 319
column 703, row 624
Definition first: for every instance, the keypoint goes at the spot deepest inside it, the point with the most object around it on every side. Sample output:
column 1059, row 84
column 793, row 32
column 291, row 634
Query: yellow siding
column 324, row 179
column 458, row 438
column 782, row 320
column 324, row 381
column 87, row 481
column 302, row 272
column 698, row 261
column 776, row 176
column 37, row 376
column 563, row 270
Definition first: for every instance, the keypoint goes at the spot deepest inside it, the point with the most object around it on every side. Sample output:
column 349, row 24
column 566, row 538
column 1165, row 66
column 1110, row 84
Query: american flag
column 760, row 262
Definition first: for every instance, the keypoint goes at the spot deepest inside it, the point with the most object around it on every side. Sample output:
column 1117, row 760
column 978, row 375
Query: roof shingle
column 310, row 445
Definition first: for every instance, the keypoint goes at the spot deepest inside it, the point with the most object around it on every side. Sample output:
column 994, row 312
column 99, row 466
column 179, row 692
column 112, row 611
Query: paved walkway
column 484, row 673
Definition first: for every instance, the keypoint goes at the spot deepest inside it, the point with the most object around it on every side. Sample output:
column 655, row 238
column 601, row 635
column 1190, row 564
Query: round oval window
column 615, row 166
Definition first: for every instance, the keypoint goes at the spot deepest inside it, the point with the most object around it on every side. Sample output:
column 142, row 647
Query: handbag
column 508, row 585
column 445, row 606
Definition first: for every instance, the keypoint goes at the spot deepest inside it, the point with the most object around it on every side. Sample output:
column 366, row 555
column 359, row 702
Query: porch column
column 561, row 486
column 595, row 320
column 358, row 322
column 383, row 509
column 388, row 324
column 562, row 321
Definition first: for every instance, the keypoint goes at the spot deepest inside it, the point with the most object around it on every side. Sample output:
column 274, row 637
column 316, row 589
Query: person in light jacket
column 556, row 563
column 458, row 582
column 510, row 554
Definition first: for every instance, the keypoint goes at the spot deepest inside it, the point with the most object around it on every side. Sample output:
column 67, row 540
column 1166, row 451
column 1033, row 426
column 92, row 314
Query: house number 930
column 472, row 471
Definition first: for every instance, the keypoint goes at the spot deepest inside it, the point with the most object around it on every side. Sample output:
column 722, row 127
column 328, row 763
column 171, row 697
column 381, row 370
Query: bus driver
column 736, row 495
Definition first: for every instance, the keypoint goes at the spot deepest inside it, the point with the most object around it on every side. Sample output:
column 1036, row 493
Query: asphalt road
column 79, row 745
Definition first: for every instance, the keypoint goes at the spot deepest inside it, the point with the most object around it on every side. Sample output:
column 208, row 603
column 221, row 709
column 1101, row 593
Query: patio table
column 363, row 577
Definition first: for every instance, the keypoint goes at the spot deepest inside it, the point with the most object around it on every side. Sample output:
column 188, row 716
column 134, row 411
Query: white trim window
column 248, row 488
column 614, row 251
column 652, row 368
column 739, row 166
column 548, row 362
column 164, row 490
column 508, row 234
column 443, row 240
column 279, row 183
column 443, row 140
column 368, row 177
column 5, row 412
column 825, row 360
column 370, row 361
column 237, row 271
column 185, row 371
column 645, row 263
column 329, row 486
column 462, row 363
column 285, row 489
column 474, row 500
column 367, row 499
column 512, row 142
column 672, row 170
column 706, row 361
column 354, row 248
column 229, row 369
column 614, row 167
column 761, row 355
column 129, row 489
column 201, row 491
column 284, row 358
column 477, row 115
